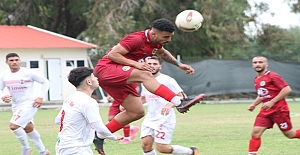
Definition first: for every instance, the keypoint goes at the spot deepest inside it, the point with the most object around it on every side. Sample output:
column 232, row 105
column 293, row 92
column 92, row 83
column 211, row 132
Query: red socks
column 164, row 92
column 254, row 144
column 298, row 133
column 126, row 130
column 114, row 126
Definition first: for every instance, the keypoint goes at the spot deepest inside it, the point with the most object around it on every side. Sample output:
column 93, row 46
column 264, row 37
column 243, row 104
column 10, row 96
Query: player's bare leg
column 153, row 86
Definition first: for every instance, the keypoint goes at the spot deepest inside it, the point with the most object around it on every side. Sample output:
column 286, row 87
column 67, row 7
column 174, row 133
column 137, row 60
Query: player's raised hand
column 188, row 69
column 144, row 66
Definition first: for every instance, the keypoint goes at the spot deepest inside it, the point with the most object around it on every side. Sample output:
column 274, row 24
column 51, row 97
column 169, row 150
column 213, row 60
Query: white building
column 50, row 54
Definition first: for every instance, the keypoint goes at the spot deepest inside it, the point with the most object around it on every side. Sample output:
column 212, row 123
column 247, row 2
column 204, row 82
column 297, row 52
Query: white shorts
column 74, row 151
column 23, row 115
column 162, row 136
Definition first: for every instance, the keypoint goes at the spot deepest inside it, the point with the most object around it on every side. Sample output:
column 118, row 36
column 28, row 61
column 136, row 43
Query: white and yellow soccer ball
column 189, row 20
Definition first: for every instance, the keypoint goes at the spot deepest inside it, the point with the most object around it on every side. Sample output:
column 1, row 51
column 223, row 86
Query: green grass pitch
column 216, row 129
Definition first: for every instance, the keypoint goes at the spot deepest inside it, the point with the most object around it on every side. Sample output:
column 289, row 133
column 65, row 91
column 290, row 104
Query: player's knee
column 13, row 126
column 145, row 75
column 146, row 147
column 139, row 114
column 289, row 134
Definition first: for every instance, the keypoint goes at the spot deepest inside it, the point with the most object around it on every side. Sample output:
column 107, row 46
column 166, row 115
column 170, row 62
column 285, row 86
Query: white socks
column 176, row 100
column 36, row 140
column 152, row 152
column 22, row 137
column 177, row 149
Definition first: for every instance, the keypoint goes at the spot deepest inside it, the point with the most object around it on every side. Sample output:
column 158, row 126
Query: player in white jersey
column 79, row 117
column 160, row 120
column 20, row 85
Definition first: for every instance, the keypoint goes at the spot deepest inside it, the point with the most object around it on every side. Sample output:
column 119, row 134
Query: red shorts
column 112, row 78
column 114, row 109
column 282, row 119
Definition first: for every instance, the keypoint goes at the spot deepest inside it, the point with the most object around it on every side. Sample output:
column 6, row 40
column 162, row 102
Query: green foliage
column 105, row 22
column 61, row 16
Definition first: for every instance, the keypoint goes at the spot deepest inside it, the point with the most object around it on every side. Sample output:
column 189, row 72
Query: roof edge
column 62, row 36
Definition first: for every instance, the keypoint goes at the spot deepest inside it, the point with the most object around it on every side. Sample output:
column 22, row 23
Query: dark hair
column 164, row 25
column 11, row 55
column 156, row 58
column 77, row 75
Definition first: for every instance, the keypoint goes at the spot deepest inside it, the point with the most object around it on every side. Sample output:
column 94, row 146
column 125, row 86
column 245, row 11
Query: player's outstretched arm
column 168, row 57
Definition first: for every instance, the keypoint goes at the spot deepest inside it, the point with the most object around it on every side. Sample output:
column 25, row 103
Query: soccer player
column 159, row 123
column 129, row 131
column 79, row 116
column 20, row 84
column 123, row 67
column 272, row 90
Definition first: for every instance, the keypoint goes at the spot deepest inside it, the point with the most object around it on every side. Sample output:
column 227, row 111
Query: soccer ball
column 189, row 20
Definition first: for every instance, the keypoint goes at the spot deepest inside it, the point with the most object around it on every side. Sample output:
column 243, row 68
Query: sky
column 282, row 15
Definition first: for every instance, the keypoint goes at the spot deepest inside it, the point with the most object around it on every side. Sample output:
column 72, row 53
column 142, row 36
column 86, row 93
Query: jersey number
column 16, row 117
column 61, row 120
column 160, row 135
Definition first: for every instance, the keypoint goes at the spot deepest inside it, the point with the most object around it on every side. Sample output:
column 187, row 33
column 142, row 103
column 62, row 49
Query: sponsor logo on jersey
column 125, row 68
column 262, row 83
column 263, row 93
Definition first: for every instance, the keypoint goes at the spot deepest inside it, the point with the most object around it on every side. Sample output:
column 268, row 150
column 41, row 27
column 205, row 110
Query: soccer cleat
column 26, row 151
column 125, row 141
column 98, row 142
column 186, row 103
column 133, row 132
column 195, row 151
column 46, row 152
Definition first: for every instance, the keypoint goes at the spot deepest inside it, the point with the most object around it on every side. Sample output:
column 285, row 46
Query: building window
column 75, row 63
column 70, row 63
column 23, row 64
column 34, row 64
column 80, row 63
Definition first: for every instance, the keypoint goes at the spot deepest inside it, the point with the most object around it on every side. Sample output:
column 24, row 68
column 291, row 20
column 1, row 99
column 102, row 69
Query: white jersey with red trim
column 154, row 118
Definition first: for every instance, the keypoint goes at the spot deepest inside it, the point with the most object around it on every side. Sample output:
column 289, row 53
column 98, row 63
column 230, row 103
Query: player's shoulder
column 273, row 74
column 165, row 77
column 7, row 71
column 137, row 34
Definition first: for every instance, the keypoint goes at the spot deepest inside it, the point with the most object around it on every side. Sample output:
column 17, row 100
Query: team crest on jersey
column 154, row 51
column 125, row 68
column 262, row 83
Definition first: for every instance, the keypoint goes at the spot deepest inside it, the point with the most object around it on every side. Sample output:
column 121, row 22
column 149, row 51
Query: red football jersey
column 139, row 46
column 268, row 86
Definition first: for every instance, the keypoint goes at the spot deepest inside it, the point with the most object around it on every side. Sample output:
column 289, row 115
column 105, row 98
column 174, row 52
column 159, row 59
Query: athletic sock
column 35, row 137
column 114, row 126
column 177, row 149
column 298, row 133
column 167, row 94
column 22, row 137
column 126, row 130
column 152, row 152
column 254, row 145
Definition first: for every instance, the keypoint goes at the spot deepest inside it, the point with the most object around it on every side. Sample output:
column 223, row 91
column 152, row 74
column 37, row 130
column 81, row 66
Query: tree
column 61, row 16
column 222, row 30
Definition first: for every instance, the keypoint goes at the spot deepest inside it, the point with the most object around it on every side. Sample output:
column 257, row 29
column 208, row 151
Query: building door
column 54, row 75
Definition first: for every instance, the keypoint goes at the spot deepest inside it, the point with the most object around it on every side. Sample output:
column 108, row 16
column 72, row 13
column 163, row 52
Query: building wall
column 78, row 56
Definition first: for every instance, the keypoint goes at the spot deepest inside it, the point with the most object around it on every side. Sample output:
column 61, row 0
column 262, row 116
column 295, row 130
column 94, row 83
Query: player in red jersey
column 123, row 67
column 272, row 90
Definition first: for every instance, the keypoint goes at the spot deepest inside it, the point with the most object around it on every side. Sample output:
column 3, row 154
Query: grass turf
column 216, row 129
